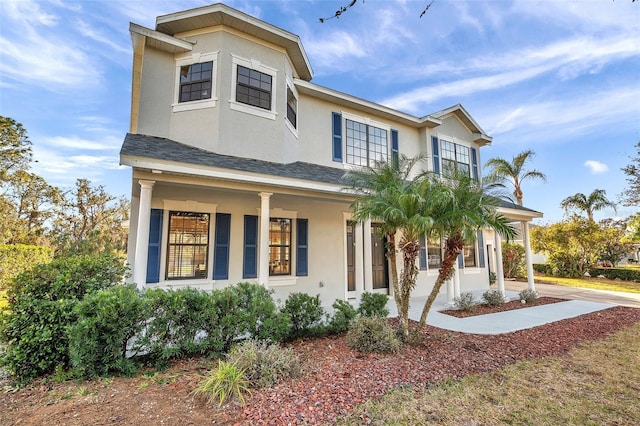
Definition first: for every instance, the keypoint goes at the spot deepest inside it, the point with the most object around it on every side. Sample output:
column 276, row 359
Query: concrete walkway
column 583, row 302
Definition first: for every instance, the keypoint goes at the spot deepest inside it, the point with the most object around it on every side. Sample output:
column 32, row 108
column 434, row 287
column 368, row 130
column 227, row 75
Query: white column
column 142, row 233
column 367, row 264
column 450, row 291
column 359, row 259
column 499, row 266
column 528, row 256
column 263, row 257
column 456, row 279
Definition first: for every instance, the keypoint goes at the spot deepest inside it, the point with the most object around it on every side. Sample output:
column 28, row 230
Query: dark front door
column 351, row 258
column 378, row 259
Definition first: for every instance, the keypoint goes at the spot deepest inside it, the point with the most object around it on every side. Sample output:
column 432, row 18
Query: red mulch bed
column 509, row 306
column 336, row 379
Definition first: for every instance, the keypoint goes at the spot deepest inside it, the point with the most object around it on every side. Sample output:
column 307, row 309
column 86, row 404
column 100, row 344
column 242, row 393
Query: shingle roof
column 166, row 149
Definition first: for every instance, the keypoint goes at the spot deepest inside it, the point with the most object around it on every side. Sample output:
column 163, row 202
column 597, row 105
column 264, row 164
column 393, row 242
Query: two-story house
column 238, row 161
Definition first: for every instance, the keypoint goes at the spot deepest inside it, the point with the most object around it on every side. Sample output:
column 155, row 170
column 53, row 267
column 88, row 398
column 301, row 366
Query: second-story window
column 455, row 156
column 365, row 144
column 195, row 81
column 292, row 108
column 253, row 88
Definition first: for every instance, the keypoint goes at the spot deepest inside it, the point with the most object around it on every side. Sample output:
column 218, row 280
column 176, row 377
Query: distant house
column 238, row 160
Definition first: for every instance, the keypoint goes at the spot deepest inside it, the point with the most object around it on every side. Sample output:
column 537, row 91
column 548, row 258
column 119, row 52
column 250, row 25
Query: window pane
column 279, row 246
column 188, row 245
column 253, row 88
column 194, row 83
column 469, row 256
column 434, row 255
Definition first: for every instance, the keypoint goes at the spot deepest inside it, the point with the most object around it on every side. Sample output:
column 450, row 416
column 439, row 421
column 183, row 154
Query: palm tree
column 462, row 208
column 597, row 200
column 513, row 172
column 388, row 192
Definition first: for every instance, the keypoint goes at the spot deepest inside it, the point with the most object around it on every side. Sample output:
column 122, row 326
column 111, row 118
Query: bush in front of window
column 41, row 307
column 305, row 314
column 373, row 305
column 343, row 314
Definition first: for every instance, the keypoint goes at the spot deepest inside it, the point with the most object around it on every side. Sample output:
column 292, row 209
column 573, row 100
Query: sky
column 559, row 77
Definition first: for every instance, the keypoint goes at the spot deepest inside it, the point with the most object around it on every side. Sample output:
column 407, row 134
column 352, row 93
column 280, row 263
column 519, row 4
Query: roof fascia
column 344, row 99
column 479, row 135
column 164, row 41
column 518, row 214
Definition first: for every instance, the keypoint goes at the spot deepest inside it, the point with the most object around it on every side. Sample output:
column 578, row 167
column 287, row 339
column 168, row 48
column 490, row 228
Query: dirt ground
column 336, row 378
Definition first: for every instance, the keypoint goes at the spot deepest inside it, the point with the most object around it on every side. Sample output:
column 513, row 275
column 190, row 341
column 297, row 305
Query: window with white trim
column 188, row 245
column 195, row 81
column 279, row 246
column 434, row 254
column 253, row 88
column 366, row 144
column 469, row 255
column 292, row 107
column 455, row 157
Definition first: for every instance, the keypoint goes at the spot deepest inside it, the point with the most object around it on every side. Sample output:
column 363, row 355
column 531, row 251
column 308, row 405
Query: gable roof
column 463, row 115
column 167, row 150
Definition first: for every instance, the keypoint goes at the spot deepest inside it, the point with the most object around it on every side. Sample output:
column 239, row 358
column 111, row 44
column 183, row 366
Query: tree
column 513, row 171
column 631, row 195
column 15, row 148
column 387, row 192
column 597, row 200
column 89, row 221
column 461, row 209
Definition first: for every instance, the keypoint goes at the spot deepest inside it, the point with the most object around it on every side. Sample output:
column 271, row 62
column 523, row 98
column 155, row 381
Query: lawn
column 596, row 383
column 593, row 283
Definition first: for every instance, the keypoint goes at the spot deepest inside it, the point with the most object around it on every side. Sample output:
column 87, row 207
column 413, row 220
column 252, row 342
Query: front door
column 379, row 263
column 351, row 261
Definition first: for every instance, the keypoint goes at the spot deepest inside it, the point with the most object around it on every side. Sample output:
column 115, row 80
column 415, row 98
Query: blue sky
column 559, row 77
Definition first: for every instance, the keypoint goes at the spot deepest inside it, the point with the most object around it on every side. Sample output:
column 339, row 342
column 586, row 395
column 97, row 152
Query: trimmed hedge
column 616, row 273
column 17, row 258
column 540, row 267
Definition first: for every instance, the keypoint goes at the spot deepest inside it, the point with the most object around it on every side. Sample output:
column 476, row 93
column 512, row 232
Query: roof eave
column 159, row 40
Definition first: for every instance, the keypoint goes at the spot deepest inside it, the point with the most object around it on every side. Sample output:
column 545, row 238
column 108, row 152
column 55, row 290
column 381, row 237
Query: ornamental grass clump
column 224, row 382
column 493, row 298
column 372, row 334
column 465, row 302
column 529, row 296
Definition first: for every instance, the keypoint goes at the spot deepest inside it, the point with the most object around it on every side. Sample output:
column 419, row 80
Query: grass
column 593, row 283
column 595, row 384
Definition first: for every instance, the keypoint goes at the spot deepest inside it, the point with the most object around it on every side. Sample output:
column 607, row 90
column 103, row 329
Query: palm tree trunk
column 393, row 267
column 410, row 251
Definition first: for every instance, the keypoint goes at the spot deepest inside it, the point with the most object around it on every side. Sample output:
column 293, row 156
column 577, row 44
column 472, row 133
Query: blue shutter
column 250, row 258
column 435, row 149
column 155, row 241
column 480, row 249
column 221, row 247
column 395, row 153
column 461, row 261
column 423, row 253
column 337, row 136
column 474, row 162
column 302, row 247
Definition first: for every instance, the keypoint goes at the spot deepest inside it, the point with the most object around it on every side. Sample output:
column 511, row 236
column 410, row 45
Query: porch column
column 456, row 279
column 359, row 259
column 528, row 256
column 450, row 291
column 263, row 269
column 368, row 265
column 499, row 266
column 142, row 233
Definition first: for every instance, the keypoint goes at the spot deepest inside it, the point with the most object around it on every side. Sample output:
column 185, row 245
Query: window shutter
column 250, row 258
column 461, row 261
column 155, row 242
column 395, row 153
column 423, row 253
column 221, row 247
column 474, row 161
column 302, row 247
column 435, row 149
column 337, row 136
column 480, row 249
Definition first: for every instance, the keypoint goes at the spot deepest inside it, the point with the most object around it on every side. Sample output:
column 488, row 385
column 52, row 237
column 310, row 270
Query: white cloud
column 76, row 143
column 90, row 32
column 331, row 52
column 27, row 11
column 596, row 167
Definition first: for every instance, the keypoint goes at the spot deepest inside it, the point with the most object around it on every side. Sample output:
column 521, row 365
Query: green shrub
column 493, row 298
column 540, row 268
column 373, row 305
column 17, row 258
column 492, row 278
column 107, row 320
column 372, row 334
column 343, row 314
column 305, row 315
column 264, row 364
column 529, row 296
column 623, row 274
column 224, row 382
column 41, row 307
column 465, row 302
column 179, row 323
